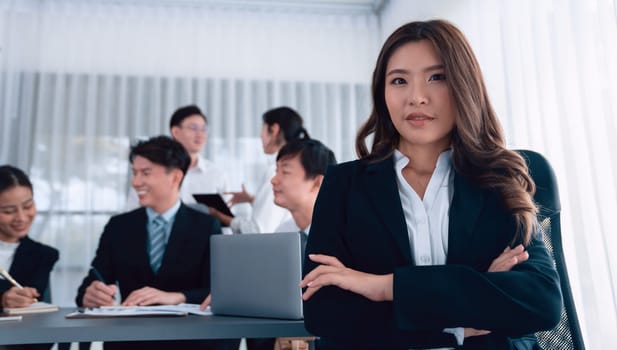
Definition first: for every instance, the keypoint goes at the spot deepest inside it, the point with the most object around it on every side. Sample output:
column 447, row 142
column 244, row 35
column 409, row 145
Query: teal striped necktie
column 157, row 242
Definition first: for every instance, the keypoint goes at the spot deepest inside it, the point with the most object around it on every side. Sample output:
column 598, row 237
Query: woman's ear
column 275, row 130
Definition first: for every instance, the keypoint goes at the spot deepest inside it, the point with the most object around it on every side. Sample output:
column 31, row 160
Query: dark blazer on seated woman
column 31, row 265
column 358, row 218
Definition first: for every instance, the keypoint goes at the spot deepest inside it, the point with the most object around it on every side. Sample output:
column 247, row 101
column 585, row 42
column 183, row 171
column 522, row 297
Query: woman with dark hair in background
column 27, row 262
column 280, row 126
column 407, row 243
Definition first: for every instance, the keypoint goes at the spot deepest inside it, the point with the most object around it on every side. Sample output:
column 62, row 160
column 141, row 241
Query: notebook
column 257, row 275
column 32, row 309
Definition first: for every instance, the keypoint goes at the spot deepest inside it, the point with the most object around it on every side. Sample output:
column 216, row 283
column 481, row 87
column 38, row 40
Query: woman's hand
column 508, row 258
column 240, row 197
column 19, row 297
column 332, row 272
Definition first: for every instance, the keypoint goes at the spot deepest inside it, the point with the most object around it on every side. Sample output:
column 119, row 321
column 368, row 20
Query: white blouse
column 428, row 218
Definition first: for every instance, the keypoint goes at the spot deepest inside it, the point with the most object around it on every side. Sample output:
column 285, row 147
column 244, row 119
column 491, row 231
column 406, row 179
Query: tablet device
column 215, row 201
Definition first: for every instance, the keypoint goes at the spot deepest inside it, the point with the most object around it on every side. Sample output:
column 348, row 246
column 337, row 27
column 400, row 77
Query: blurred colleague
column 280, row 126
column 300, row 168
column 29, row 263
column 189, row 126
column 159, row 253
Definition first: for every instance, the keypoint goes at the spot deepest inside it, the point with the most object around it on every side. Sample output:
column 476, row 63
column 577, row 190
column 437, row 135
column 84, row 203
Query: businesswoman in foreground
column 28, row 262
column 404, row 241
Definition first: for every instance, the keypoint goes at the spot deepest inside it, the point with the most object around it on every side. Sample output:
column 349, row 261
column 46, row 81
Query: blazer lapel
column 465, row 209
column 137, row 242
column 22, row 262
column 380, row 184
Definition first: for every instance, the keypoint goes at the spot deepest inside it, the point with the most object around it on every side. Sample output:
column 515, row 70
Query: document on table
column 32, row 309
column 139, row 311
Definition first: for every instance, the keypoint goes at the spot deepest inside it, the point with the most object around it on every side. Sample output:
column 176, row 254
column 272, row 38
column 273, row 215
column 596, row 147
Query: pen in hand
column 29, row 293
column 9, row 278
column 97, row 274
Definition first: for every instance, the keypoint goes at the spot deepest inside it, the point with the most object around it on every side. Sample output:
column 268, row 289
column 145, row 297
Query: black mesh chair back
column 567, row 335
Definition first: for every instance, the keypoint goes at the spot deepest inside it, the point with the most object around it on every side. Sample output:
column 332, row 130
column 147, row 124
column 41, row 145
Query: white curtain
column 551, row 71
column 81, row 80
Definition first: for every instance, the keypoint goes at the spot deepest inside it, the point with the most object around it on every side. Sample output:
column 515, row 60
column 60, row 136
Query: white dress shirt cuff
column 458, row 333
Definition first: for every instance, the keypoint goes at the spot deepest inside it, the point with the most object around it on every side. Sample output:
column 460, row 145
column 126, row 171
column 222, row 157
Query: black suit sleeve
column 31, row 266
column 523, row 300
column 102, row 262
column 197, row 295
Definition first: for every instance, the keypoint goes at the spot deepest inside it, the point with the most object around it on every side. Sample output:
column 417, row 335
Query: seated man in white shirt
column 300, row 168
column 189, row 126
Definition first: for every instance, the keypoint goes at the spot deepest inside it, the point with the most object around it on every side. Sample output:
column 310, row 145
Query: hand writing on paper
column 152, row 296
column 19, row 297
column 99, row 294
column 333, row 272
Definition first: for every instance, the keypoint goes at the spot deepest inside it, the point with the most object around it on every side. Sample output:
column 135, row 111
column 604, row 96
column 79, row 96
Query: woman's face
column 17, row 212
column 269, row 138
column 418, row 96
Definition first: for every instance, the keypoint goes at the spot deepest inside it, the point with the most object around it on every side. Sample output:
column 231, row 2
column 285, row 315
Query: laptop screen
column 257, row 275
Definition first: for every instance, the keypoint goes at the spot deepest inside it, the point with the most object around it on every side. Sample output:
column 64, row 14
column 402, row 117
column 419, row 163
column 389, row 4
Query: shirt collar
column 444, row 161
column 168, row 215
column 201, row 164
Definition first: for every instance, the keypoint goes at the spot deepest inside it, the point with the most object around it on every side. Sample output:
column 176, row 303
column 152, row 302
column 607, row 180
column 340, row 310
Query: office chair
column 567, row 335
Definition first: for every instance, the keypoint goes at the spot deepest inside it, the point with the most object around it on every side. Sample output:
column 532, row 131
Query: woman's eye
column 398, row 81
column 439, row 76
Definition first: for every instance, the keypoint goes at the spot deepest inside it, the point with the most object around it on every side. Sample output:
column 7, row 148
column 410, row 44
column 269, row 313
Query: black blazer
column 359, row 219
column 122, row 255
column 31, row 265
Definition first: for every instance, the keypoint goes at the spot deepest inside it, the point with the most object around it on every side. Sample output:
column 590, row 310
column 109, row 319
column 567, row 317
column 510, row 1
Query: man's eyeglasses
column 196, row 128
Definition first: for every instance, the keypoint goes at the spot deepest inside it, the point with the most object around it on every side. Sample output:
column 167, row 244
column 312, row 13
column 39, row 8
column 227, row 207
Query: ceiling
column 321, row 6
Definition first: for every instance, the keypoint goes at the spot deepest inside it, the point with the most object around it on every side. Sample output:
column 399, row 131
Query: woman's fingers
column 325, row 259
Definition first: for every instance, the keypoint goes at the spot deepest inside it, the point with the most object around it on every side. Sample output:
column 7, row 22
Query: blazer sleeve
column 523, row 300
column 40, row 277
column 36, row 261
column 102, row 262
column 197, row 295
column 333, row 311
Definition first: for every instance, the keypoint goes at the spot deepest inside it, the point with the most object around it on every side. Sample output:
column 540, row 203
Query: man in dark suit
column 159, row 253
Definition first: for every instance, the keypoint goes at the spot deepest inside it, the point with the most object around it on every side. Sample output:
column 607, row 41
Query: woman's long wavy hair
column 478, row 147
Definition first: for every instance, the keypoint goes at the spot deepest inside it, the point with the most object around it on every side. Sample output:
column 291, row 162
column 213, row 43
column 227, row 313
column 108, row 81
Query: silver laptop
column 257, row 275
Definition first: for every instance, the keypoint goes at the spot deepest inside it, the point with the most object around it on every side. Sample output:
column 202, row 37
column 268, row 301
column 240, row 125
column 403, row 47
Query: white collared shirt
column 169, row 215
column 7, row 254
column 266, row 216
column 428, row 218
column 203, row 178
column 291, row 226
